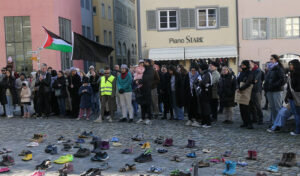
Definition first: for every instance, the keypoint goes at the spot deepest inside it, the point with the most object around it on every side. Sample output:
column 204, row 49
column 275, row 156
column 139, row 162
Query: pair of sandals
column 127, row 167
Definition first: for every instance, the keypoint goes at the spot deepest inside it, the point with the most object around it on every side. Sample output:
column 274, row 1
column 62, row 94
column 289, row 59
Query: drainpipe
column 237, row 33
column 138, row 8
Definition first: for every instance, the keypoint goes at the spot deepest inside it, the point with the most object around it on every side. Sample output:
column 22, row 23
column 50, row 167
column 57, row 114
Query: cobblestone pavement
column 16, row 132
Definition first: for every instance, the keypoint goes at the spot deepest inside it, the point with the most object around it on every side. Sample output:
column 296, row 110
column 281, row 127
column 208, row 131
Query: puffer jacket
column 275, row 79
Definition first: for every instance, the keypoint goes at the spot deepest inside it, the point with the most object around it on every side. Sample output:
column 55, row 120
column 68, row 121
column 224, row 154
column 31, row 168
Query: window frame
column 94, row 10
column 207, row 20
column 259, row 37
column 105, row 37
column 109, row 13
column 292, row 27
column 168, row 19
column 87, row 4
column 103, row 14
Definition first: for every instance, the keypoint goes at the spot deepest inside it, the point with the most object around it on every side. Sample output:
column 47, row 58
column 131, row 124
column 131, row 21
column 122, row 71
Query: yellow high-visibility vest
column 106, row 86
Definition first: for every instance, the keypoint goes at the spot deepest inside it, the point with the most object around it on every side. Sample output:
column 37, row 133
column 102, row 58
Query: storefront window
column 207, row 18
column 18, row 42
column 292, row 27
column 168, row 20
column 259, row 28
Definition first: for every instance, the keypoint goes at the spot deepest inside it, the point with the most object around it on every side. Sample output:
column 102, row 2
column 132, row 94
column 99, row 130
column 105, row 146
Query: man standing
column 255, row 102
column 154, row 95
column 43, row 83
column 215, row 97
column 94, row 81
column 107, row 94
column 74, row 81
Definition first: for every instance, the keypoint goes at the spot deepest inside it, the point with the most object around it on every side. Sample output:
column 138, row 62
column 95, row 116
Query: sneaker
column 127, row 167
column 146, row 145
column 33, row 144
column 100, row 157
column 206, row 126
column 38, row 173
column 191, row 155
column 273, row 169
column 168, row 142
column 127, row 151
column 140, row 121
column 148, row 122
column 99, row 120
column 104, row 145
column 7, row 160
column 64, row 159
column 110, row 120
column 82, row 152
column 162, row 150
column 143, row 158
column 46, row 164
column 4, row 169
column 124, row 119
column 104, row 166
column 242, row 163
column 195, row 124
column 159, row 140
column 67, row 169
column 28, row 156
column 188, row 123
column 202, row 164
column 138, row 137
column 294, row 134
column 156, row 170
column 175, row 158
column 191, row 143
column 67, row 147
column 114, row 139
column 206, row 150
column 116, row 144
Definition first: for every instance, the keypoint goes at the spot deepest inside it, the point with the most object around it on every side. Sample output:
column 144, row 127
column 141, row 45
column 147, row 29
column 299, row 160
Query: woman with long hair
column 293, row 92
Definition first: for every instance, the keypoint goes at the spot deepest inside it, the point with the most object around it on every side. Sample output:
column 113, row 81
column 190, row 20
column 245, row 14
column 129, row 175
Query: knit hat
column 72, row 69
column 246, row 63
column 215, row 64
column 203, row 66
column 141, row 61
column 124, row 66
column 91, row 67
column 9, row 59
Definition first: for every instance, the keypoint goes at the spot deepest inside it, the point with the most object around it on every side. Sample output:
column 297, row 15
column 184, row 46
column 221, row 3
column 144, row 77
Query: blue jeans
column 9, row 107
column 179, row 113
column 296, row 112
column 283, row 115
column 96, row 103
column 135, row 107
column 62, row 105
column 275, row 102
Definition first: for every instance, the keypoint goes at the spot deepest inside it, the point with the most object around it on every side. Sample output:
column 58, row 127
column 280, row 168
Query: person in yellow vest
column 107, row 94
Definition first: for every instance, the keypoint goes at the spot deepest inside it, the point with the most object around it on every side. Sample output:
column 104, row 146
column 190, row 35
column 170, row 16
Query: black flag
column 86, row 49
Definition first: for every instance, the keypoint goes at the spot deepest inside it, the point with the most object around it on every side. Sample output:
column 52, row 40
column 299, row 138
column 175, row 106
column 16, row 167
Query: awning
column 210, row 52
column 164, row 54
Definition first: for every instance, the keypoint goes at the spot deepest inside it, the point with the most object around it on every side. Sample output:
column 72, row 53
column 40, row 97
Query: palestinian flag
column 54, row 42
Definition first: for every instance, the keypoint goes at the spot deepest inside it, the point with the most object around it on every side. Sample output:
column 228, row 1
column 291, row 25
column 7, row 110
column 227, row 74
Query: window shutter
column 247, row 29
column 184, row 18
column 224, row 20
column 272, row 28
column 192, row 18
column 151, row 19
column 280, row 27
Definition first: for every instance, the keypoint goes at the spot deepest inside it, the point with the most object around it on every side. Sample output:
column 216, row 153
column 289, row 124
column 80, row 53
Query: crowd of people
column 159, row 91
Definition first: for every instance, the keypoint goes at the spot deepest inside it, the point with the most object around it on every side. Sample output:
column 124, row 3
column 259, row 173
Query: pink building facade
column 21, row 31
column 268, row 27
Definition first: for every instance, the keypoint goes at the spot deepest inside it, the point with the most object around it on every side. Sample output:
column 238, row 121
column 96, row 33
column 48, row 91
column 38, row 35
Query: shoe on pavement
column 140, row 121
column 294, row 134
column 99, row 120
column 230, row 168
column 33, row 144
column 116, row 144
column 127, row 151
column 273, row 169
column 104, row 145
column 206, row 126
column 143, row 158
column 67, row 169
column 114, row 139
column 138, row 137
column 162, row 150
column 189, row 123
column 168, row 142
column 27, row 157
column 146, row 145
column 191, row 144
column 127, row 167
column 7, row 160
column 4, row 169
column 46, row 164
column 64, row 159
column 82, row 152
column 202, row 164
column 24, row 152
column 148, row 122
column 191, row 155
column 100, row 157
column 159, row 140
column 38, row 173
column 195, row 124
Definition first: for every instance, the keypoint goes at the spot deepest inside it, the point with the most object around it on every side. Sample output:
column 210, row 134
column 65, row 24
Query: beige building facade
column 103, row 18
column 187, row 31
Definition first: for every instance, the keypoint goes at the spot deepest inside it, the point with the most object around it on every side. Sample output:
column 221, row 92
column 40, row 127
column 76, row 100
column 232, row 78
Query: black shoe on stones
column 123, row 120
column 130, row 121
column 82, row 152
column 143, row 158
column 46, row 164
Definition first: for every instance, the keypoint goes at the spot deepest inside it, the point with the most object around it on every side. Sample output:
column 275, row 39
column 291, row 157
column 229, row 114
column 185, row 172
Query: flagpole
column 72, row 45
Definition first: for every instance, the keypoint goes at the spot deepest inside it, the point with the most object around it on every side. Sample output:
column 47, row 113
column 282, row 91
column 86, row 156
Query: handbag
column 296, row 95
column 57, row 92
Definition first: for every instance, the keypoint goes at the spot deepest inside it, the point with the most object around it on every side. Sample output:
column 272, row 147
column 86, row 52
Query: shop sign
column 187, row 39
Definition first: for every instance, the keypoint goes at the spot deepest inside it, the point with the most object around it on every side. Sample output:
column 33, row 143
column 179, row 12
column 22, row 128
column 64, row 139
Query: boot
column 254, row 155
column 283, row 159
column 191, row 144
column 226, row 168
column 291, row 160
column 249, row 155
column 231, row 168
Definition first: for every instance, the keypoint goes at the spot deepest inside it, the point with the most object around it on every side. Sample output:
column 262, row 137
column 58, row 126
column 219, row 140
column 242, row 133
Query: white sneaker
column 78, row 118
column 10, row 116
column 139, row 121
column 196, row 124
column 110, row 120
column 206, row 126
column 188, row 123
column 99, row 120
column 148, row 122
column 294, row 134
column 108, row 117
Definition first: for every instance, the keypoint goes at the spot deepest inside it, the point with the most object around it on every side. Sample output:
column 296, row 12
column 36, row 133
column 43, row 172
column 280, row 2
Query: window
column 119, row 49
column 97, row 38
column 65, row 33
column 103, row 10
column 105, row 37
column 88, row 32
column 132, row 49
column 118, row 15
column 109, row 13
column 18, row 42
column 259, row 28
column 82, row 3
column 292, row 27
column 168, row 19
column 83, row 30
column 94, row 10
column 110, row 38
column 207, row 18
column 88, row 4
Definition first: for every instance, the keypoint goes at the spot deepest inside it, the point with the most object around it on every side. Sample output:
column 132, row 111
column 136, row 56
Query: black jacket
column 179, row 90
column 44, row 84
column 257, row 78
column 60, row 83
column 145, row 90
column 295, row 83
column 8, row 83
column 245, row 77
column 204, row 87
column 76, row 81
column 275, row 79
column 94, row 80
column 226, row 90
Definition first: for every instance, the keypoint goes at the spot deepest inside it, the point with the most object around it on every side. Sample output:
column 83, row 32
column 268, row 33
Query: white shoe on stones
column 206, row 126
column 294, row 134
column 188, row 123
column 108, row 117
column 139, row 121
column 195, row 124
column 99, row 120
column 110, row 120
column 148, row 122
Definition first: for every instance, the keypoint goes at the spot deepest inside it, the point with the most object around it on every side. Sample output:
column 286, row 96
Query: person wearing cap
column 243, row 93
column 124, row 87
column 74, row 81
column 85, row 92
column 107, row 95
column 91, row 69
column 213, row 67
